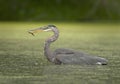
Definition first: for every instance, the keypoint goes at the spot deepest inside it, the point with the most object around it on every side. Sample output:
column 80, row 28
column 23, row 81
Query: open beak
column 33, row 31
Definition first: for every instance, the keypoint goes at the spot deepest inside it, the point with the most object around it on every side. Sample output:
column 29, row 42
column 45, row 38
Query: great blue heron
column 66, row 56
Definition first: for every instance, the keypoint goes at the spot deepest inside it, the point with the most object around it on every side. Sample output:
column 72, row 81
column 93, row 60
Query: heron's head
column 44, row 28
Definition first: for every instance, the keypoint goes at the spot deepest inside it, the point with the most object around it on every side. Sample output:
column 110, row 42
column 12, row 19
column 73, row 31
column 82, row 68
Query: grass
column 22, row 60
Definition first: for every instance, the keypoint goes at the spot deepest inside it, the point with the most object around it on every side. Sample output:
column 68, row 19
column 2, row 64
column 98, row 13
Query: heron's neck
column 47, row 51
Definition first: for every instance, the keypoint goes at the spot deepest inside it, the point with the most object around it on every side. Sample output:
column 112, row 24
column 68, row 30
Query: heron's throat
column 47, row 51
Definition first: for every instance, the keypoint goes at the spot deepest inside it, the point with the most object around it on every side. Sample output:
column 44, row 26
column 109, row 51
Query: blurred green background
column 59, row 10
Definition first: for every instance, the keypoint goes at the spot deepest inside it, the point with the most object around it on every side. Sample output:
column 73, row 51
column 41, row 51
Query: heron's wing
column 71, row 58
column 67, row 56
column 63, row 51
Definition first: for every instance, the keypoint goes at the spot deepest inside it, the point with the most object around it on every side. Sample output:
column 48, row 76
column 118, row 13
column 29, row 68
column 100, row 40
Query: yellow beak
column 45, row 28
column 35, row 31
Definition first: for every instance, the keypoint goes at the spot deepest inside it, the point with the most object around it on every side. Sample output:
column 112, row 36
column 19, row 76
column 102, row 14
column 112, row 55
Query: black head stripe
column 51, row 26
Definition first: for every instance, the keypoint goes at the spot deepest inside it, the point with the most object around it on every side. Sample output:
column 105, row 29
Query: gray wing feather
column 67, row 56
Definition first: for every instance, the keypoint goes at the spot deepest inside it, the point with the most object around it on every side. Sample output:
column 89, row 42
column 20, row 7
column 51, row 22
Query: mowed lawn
column 22, row 60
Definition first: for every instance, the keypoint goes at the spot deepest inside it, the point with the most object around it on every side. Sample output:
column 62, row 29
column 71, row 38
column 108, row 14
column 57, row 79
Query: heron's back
column 67, row 56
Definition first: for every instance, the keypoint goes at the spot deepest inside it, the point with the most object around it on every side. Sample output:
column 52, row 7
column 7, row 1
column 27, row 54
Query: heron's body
column 67, row 56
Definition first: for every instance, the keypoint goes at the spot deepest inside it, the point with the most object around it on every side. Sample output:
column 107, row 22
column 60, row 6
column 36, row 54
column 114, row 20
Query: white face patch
column 48, row 30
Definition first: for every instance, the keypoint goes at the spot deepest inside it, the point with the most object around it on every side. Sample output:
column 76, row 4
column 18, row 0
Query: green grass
column 22, row 60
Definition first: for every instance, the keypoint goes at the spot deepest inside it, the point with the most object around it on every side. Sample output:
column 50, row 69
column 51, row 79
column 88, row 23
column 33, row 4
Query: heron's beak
column 37, row 30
